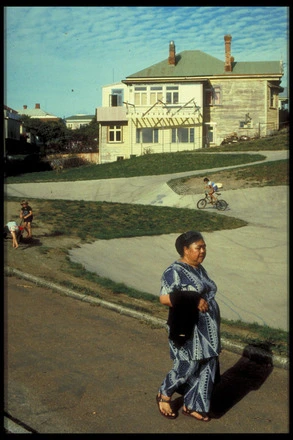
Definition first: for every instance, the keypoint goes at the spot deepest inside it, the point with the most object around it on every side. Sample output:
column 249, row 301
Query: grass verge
column 274, row 341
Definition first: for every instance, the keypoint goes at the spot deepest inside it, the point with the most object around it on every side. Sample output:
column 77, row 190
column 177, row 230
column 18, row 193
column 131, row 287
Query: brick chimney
column 25, row 107
column 228, row 58
column 172, row 55
column 37, row 106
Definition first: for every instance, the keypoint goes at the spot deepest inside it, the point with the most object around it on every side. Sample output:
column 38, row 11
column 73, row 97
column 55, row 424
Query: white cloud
column 50, row 50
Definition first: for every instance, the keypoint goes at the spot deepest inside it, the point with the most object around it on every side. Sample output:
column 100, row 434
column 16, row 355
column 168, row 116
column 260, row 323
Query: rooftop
column 193, row 63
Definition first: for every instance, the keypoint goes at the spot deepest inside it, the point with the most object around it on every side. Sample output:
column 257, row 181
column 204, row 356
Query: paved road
column 74, row 368
column 249, row 265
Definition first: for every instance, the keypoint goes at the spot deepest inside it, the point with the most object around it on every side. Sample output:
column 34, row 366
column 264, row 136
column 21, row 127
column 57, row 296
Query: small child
column 14, row 230
column 212, row 188
column 26, row 214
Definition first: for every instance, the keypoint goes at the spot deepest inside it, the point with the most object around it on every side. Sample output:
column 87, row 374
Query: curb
column 14, row 426
column 277, row 361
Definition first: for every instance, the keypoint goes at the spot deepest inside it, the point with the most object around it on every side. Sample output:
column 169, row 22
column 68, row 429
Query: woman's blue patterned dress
column 196, row 361
column 205, row 342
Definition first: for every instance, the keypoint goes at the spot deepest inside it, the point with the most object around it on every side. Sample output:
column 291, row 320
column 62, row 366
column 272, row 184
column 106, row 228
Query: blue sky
column 60, row 57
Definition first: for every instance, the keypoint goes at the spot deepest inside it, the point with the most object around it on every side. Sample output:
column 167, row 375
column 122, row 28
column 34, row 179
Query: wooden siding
column 239, row 98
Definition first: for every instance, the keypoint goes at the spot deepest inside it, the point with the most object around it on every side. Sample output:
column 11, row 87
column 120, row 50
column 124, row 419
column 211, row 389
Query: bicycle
column 220, row 204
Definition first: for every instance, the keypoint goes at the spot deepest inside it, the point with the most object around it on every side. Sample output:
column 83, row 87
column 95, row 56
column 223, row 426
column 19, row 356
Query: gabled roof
column 36, row 113
column 191, row 63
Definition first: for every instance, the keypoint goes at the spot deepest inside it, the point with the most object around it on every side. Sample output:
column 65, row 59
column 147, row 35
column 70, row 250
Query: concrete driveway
column 249, row 264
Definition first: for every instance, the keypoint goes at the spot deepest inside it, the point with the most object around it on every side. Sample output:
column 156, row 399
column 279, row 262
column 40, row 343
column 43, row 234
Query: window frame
column 213, row 96
column 172, row 94
column 156, row 94
column 154, row 135
column 115, row 130
column 118, row 94
column 273, row 97
column 140, row 95
column 190, row 131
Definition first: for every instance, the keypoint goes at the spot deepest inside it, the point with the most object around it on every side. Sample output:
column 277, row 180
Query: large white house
column 189, row 101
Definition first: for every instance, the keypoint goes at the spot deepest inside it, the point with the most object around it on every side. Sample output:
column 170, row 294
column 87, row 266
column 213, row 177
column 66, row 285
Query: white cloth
column 12, row 226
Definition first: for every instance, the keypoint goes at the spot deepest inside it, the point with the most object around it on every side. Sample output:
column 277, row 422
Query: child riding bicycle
column 211, row 188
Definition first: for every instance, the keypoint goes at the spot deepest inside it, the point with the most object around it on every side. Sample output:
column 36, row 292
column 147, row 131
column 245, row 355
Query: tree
column 52, row 134
column 56, row 137
column 86, row 138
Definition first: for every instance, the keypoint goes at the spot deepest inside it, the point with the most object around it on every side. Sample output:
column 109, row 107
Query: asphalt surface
column 249, row 264
column 72, row 367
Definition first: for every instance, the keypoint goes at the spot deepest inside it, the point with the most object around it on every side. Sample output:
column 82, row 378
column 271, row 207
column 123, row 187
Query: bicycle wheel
column 221, row 205
column 201, row 203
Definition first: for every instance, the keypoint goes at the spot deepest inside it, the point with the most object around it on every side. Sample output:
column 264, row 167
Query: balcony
column 160, row 114
column 111, row 114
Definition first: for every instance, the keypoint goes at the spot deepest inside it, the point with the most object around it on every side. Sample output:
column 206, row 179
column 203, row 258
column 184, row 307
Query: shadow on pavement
column 248, row 374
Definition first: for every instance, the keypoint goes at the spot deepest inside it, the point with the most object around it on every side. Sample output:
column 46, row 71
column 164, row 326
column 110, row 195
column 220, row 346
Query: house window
column 115, row 133
column 172, row 95
column 184, row 135
column 213, row 96
column 140, row 95
column 273, row 98
column 156, row 94
column 116, row 98
column 209, row 134
column 147, row 135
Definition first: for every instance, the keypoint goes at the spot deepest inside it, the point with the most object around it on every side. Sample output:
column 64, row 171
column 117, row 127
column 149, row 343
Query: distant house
column 16, row 139
column 12, row 124
column 77, row 121
column 37, row 113
column 189, row 101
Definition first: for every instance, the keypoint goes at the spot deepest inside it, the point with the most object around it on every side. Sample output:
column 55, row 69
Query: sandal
column 203, row 416
column 159, row 399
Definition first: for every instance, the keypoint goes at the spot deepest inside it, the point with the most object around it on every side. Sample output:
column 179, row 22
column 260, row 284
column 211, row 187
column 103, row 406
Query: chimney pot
column 172, row 55
column 228, row 58
column 37, row 106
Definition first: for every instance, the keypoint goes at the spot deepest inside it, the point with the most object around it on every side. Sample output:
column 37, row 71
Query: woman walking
column 194, row 330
